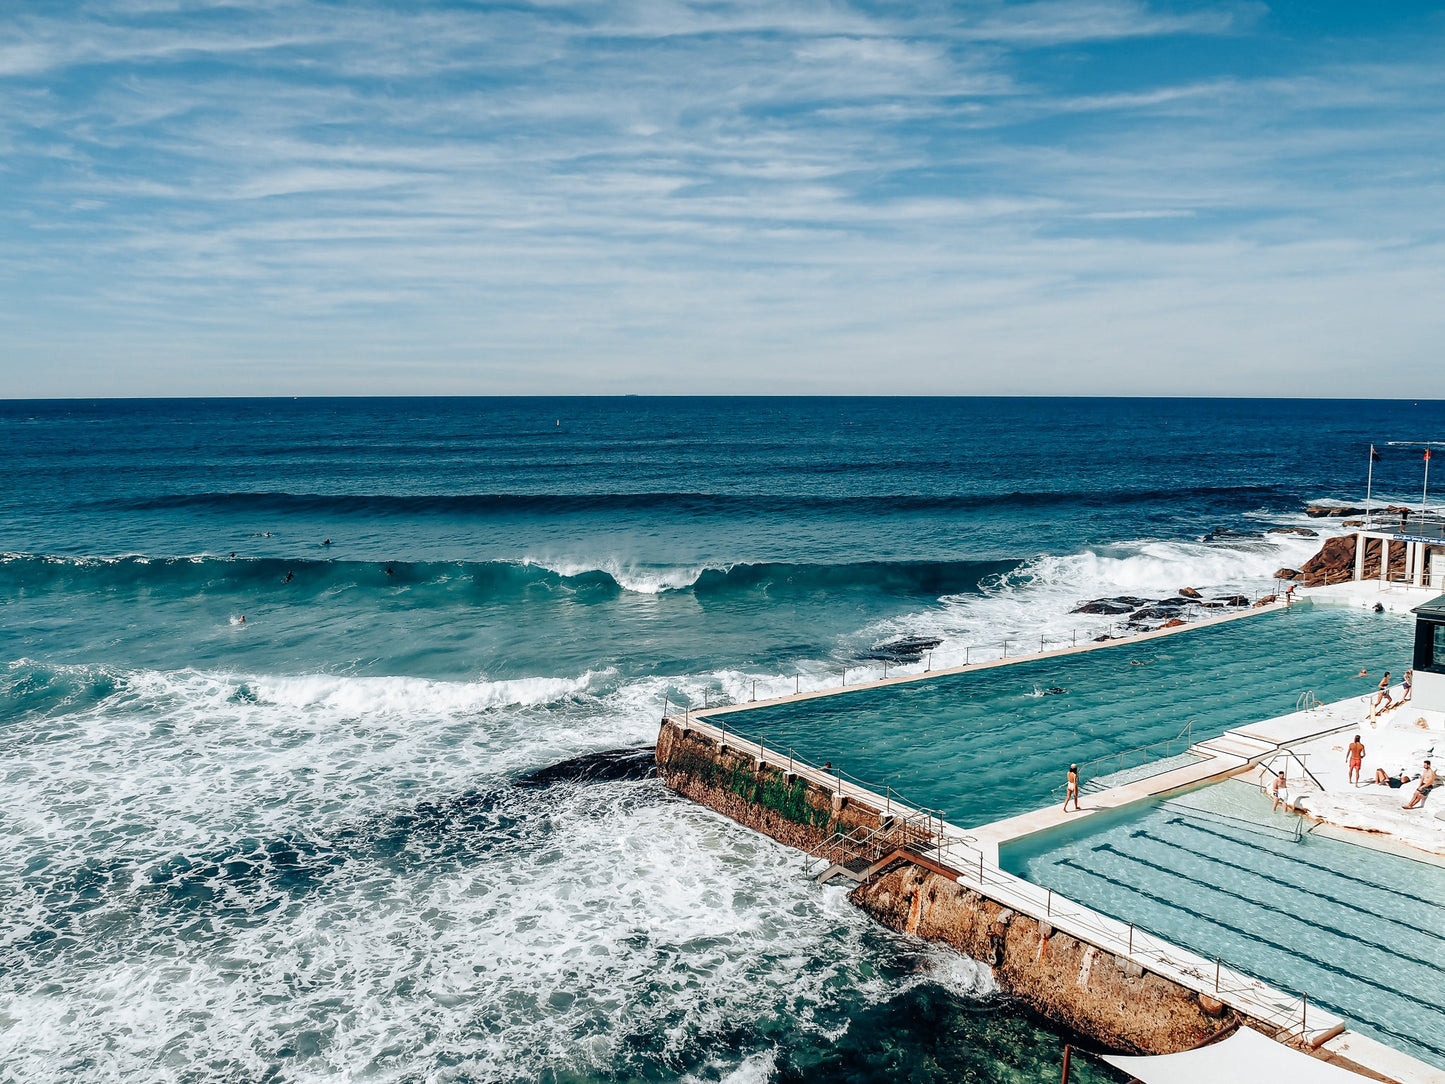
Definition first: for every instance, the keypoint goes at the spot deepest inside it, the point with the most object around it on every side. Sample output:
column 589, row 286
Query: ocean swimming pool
column 1358, row 930
column 991, row 743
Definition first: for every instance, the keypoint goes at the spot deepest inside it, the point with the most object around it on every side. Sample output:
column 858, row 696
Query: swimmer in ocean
column 289, row 577
column 390, row 571
column 327, row 542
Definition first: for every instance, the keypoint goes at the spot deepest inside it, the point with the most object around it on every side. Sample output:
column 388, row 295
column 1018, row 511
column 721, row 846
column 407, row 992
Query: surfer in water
column 289, row 577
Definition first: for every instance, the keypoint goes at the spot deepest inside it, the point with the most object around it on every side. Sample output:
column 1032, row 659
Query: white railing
column 951, row 848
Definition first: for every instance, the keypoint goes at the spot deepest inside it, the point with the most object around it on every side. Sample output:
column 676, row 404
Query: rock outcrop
column 1335, row 562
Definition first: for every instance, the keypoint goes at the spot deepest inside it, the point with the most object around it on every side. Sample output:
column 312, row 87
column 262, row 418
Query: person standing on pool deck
column 1073, row 788
column 1355, row 758
column 1280, row 790
column 1405, row 683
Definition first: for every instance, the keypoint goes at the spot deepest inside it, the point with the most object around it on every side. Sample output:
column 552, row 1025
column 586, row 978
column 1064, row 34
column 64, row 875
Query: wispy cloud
column 654, row 193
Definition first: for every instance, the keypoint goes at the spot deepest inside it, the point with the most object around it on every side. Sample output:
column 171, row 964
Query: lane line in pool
column 1142, row 833
column 1187, row 823
column 1292, row 952
column 1332, row 930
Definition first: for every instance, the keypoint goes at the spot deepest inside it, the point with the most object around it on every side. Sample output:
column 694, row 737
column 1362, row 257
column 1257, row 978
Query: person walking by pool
column 1405, row 684
column 1072, row 789
column 1383, row 696
column 1280, row 790
column 1355, row 758
column 1428, row 782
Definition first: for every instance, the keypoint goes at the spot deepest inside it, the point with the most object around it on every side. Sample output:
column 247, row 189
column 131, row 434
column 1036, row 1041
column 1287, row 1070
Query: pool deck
column 1288, row 741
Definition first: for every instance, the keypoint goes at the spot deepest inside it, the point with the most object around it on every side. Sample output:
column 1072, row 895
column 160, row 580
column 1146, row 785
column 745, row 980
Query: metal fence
column 950, row 847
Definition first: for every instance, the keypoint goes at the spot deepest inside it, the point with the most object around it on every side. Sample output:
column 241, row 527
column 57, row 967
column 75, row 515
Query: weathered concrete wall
column 1105, row 997
column 791, row 810
column 1075, row 984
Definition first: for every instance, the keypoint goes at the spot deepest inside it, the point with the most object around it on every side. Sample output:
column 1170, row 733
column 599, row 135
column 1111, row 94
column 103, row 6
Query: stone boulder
column 1110, row 606
column 1190, row 592
column 1302, row 532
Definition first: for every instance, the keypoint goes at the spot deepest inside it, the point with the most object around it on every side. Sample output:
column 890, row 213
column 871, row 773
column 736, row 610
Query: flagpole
column 1426, row 490
column 1369, row 483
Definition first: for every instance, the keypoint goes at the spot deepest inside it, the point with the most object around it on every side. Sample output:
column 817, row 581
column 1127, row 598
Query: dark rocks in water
column 1266, row 600
column 1103, row 639
column 1055, row 690
column 595, row 768
column 1324, row 511
column 1190, row 592
column 1221, row 533
column 1120, row 605
column 1153, row 613
column 1288, row 574
column 1302, row 532
column 906, row 649
column 1232, row 600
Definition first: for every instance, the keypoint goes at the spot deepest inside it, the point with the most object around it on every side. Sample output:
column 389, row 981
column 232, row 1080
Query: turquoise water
column 1357, row 929
column 991, row 743
column 293, row 848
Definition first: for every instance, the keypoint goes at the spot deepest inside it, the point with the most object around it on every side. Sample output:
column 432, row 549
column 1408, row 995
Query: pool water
column 1358, row 930
column 986, row 744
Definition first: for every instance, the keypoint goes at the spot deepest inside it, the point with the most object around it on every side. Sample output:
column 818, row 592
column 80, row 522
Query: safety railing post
column 966, row 652
column 1216, row 974
column 1131, row 939
column 1005, row 649
column 664, row 705
column 797, row 683
column 1049, row 904
column 929, row 667
column 1304, row 1009
column 755, row 690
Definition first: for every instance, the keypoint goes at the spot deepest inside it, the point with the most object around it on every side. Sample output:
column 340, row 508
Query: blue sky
column 1060, row 196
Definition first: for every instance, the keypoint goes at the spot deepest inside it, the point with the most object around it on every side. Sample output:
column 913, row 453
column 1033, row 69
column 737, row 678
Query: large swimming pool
column 985, row 744
column 1358, row 930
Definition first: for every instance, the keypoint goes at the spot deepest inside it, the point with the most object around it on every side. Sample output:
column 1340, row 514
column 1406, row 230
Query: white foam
column 640, row 579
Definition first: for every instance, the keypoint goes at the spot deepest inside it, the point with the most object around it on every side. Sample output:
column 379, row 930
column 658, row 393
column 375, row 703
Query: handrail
column 956, row 851
column 1085, row 769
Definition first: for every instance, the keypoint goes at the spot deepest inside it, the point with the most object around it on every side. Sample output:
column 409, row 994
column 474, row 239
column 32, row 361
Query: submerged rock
column 1121, row 605
column 595, row 768
column 906, row 649
column 1302, row 532
column 1232, row 600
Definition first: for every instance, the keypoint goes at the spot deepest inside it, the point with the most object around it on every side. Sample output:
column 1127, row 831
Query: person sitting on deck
column 1280, row 790
column 1355, row 758
column 1428, row 782
column 1394, row 782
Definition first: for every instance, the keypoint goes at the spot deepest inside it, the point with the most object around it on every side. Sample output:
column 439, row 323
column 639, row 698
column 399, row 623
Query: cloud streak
column 657, row 195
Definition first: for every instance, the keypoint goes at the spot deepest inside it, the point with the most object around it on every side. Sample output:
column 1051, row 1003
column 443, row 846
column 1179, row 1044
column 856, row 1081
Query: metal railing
column 1007, row 650
column 1247, row 994
column 1089, row 769
column 934, row 838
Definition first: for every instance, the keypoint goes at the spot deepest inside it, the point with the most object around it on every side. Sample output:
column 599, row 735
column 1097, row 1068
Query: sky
column 1090, row 197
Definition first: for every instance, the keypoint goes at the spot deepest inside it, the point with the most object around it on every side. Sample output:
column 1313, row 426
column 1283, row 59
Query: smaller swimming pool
column 1360, row 931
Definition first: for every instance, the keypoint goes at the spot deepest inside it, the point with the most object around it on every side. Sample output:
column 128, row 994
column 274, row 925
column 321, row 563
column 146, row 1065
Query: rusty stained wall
column 1107, row 998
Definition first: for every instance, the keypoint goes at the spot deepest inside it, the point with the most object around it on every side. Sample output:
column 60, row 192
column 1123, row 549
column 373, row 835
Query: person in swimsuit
column 1408, row 680
column 1394, row 782
column 1383, row 696
column 1355, row 758
column 1072, row 790
column 1280, row 790
column 1428, row 782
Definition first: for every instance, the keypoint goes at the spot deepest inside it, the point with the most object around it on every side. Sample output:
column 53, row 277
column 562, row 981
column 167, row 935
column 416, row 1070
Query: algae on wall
column 769, row 788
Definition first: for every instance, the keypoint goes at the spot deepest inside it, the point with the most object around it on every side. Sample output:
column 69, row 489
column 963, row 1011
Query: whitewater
column 314, row 845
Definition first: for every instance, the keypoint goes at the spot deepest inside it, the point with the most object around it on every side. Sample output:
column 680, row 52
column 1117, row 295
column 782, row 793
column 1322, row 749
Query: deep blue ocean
column 293, row 847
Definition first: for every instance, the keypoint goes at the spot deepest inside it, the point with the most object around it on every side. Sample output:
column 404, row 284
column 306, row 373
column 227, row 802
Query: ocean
column 281, row 682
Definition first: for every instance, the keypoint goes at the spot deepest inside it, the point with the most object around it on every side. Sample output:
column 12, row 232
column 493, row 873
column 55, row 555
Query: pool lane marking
column 1294, row 953
column 1333, row 930
column 1187, row 823
column 1145, row 834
